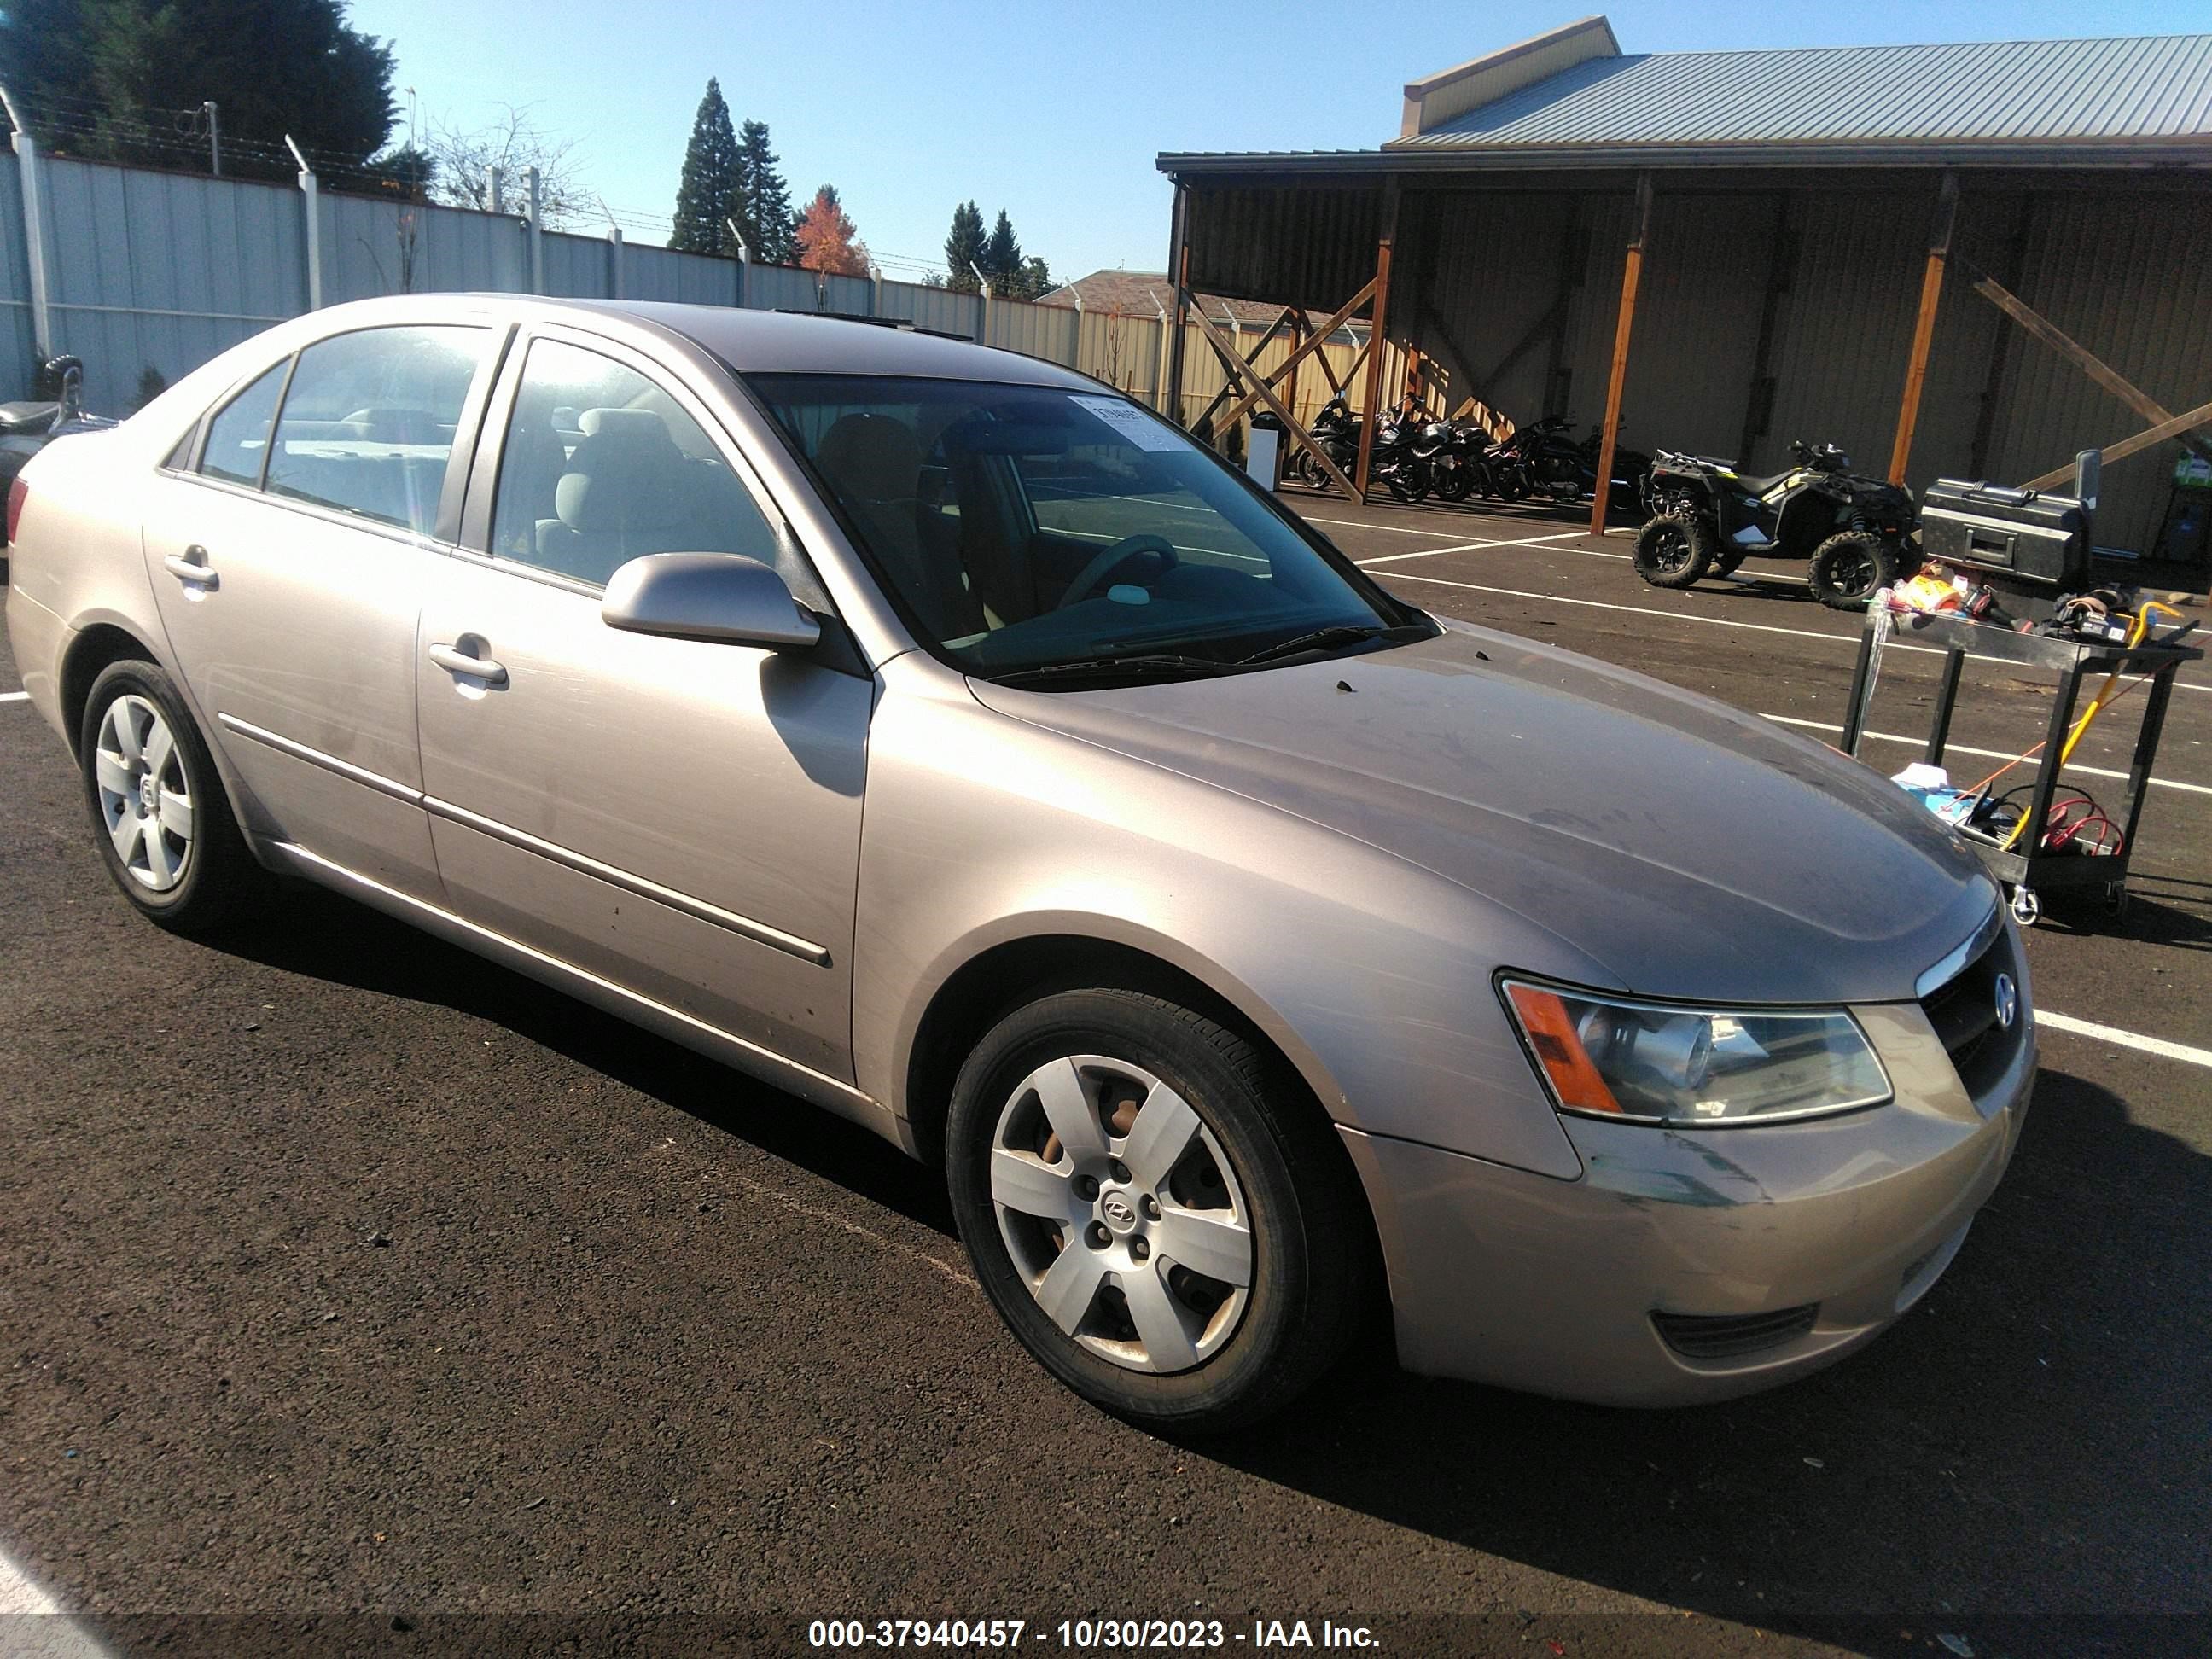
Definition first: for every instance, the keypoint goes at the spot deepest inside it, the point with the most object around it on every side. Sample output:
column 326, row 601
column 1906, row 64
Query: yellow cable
column 2097, row 704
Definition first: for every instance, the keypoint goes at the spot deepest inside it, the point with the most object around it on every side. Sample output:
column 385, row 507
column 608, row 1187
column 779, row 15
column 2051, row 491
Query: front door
column 682, row 819
column 287, row 568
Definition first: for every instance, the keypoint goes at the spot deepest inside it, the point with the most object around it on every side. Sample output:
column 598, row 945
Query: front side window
column 601, row 466
column 369, row 422
column 238, row 438
column 1029, row 528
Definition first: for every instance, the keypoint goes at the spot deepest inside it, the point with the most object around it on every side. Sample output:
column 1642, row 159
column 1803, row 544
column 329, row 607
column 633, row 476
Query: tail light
column 19, row 491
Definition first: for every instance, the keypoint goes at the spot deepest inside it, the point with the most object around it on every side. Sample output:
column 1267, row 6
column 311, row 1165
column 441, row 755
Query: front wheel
column 1849, row 568
column 1165, row 1228
column 1674, row 551
column 158, row 814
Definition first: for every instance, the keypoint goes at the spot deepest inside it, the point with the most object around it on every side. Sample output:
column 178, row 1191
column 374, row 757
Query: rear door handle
column 190, row 568
column 454, row 660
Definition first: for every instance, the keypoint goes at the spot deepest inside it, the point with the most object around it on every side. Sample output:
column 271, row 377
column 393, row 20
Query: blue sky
column 1053, row 113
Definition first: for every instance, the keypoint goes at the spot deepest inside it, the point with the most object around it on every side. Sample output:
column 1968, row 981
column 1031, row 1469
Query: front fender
column 1372, row 976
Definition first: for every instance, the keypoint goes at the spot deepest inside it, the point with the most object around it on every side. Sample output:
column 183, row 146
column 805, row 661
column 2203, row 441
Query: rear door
column 679, row 818
column 289, row 562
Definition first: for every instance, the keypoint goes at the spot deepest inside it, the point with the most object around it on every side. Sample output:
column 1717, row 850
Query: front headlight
column 1646, row 1062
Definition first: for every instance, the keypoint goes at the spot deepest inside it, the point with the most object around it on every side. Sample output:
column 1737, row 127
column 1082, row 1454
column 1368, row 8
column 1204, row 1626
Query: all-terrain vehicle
column 1707, row 519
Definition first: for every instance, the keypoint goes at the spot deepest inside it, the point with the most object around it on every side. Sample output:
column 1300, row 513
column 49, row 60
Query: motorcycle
column 28, row 426
column 1410, row 450
column 1336, row 429
column 1855, row 533
column 1541, row 459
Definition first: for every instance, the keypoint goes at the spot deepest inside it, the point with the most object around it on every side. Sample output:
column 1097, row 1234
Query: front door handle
column 455, row 660
column 190, row 568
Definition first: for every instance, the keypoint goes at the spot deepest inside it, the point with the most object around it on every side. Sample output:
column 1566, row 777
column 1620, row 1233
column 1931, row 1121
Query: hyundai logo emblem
column 2008, row 1001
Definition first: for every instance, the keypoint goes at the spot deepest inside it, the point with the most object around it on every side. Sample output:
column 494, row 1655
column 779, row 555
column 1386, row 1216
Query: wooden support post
column 1178, row 268
column 1924, row 328
column 1632, row 272
column 1291, row 368
column 1375, row 336
column 1243, row 370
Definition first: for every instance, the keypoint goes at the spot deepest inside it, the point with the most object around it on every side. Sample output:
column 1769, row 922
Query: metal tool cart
column 2030, row 869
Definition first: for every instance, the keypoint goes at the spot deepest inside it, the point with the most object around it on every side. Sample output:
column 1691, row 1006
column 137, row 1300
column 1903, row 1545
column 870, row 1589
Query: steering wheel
column 1112, row 558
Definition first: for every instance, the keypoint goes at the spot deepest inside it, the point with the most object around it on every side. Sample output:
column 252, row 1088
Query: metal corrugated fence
column 159, row 271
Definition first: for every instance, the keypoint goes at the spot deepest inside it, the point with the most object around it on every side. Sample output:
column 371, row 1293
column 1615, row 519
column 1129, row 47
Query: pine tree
column 713, row 190
column 767, row 220
column 1002, row 257
column 108, row 77
column 965, row 250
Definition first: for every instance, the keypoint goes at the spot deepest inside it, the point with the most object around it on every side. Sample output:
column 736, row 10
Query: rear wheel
column 158, row 814
column 1167, row 1231
column 1851, row 567
column 1674, row 550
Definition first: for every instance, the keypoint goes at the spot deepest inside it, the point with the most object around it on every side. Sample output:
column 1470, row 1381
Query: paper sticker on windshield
column 1131, row 423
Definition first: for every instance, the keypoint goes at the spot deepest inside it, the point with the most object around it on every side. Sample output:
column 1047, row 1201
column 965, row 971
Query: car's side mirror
column 724, row 597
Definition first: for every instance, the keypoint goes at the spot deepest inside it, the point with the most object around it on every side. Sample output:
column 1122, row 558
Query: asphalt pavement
column 356, row 1295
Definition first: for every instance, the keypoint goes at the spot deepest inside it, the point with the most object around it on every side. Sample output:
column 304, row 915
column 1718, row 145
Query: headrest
column 871, row 456
column 628, row 474
column 639, row 422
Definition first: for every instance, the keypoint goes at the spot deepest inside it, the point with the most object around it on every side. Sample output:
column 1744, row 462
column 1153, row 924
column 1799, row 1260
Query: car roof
column 795, row 342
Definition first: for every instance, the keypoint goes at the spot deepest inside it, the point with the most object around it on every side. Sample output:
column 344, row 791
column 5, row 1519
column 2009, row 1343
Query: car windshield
column 1042, row 532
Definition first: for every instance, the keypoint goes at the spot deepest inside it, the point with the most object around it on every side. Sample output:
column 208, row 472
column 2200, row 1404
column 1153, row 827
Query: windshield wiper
column 1137, row 665
column 1336, row 634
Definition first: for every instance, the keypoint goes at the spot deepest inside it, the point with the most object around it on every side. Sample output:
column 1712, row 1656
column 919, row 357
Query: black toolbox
column 2034, row 547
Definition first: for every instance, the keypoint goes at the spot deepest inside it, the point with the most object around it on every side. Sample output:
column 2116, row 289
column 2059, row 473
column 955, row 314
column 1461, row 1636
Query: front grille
column 1727, row 1336
column 1964, row 1011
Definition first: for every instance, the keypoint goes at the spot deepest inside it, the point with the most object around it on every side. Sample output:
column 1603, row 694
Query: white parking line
column 1471, row 547
column 36, row 1627
column 15, row 696
column 2112, row 1034
column 1849, row 640
column 1983, row 754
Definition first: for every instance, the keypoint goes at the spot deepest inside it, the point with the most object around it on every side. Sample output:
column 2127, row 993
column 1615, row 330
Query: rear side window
column 368, row 423
column 601, row 466
column 238, row 438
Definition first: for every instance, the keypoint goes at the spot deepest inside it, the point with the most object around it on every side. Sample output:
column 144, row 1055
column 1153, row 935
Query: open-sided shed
column 1969, row 259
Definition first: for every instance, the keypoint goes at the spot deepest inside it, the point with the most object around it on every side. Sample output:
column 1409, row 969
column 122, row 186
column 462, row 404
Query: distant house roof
column 1572, row 97
column 1148, row 293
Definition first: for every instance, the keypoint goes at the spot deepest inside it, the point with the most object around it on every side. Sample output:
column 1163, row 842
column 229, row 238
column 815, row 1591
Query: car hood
column 1690, row 849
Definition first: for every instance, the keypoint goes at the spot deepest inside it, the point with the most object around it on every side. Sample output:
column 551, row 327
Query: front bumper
column 1500, row 1276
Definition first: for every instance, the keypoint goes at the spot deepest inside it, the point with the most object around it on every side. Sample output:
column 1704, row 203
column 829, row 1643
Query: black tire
column 216, row 879
column 1312, row 1279
column 1849, row 568
column 1674, row 550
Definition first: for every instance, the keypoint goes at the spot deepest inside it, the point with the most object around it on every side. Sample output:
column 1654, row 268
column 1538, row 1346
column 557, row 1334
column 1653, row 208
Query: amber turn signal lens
column 1566, row 1064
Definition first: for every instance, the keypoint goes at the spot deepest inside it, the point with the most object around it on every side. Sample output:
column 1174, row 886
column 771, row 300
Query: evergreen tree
column 1002, row 257
column 1034, row 280
column 713, row 189
column 965, row 250
column 767, row 220
column 110, row 78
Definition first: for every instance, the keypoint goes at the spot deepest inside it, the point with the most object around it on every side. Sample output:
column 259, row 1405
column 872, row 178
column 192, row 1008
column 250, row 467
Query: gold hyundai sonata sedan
column 943, row 737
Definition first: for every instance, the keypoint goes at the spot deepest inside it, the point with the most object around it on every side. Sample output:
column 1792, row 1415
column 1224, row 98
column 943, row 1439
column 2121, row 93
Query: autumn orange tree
column 827, row 240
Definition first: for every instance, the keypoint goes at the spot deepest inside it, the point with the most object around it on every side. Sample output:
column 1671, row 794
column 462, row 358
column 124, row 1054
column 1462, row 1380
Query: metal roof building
column 1965, row 259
